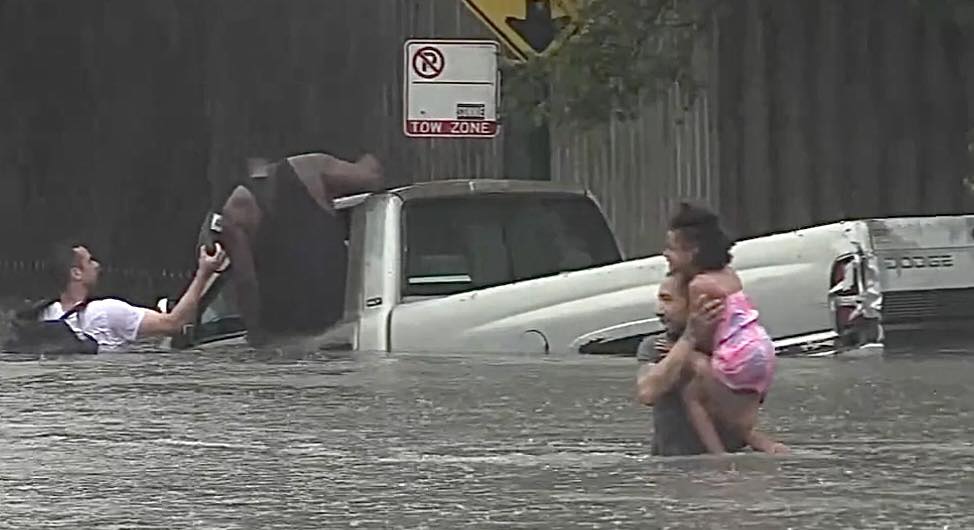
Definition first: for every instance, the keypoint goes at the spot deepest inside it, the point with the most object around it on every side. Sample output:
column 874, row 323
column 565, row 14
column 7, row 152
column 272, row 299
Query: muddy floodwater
column 244, row 439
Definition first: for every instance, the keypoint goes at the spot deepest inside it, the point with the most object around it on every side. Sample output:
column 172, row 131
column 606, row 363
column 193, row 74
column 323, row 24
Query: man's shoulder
column 107, row 302
column 111, row 305
column 113, row 321
column 645, row 352
column 51, row 311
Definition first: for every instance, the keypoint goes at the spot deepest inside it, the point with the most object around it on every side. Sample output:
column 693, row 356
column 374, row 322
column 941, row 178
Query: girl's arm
column 701, row 290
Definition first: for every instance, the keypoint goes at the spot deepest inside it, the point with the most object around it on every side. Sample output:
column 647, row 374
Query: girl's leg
column 694, row 398
column 708, row 400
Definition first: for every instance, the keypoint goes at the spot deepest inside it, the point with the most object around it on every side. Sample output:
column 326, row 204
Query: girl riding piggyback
column 732, row 368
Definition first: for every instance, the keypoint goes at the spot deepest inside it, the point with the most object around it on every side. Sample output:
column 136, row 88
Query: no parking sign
column 451, row 88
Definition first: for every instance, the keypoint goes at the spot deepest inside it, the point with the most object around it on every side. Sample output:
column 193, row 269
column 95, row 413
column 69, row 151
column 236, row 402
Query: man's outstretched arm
column 159, row 324
column 327, row 176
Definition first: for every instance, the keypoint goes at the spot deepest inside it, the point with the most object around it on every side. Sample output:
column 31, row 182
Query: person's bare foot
column 765, row 444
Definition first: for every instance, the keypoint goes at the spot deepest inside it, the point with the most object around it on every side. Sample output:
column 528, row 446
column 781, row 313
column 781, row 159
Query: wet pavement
column 244, row 439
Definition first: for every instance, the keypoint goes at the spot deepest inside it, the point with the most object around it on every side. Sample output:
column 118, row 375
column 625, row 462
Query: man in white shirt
column 112, row 323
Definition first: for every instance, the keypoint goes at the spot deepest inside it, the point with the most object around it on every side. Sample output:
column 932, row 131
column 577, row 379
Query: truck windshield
column 455, row 244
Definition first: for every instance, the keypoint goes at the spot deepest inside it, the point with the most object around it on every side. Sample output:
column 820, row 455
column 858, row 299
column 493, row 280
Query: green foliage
column 619, row 51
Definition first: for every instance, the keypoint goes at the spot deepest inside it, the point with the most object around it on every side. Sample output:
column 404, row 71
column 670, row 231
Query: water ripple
column 249, row 439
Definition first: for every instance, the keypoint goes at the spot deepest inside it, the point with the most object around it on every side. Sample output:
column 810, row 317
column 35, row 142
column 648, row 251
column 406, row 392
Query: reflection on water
column 295, row 440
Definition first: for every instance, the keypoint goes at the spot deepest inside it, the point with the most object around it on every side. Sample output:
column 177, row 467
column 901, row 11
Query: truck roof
column 465, row 187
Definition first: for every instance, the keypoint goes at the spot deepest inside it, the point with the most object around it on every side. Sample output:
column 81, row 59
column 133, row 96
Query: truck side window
column 558, row 235
column 458, row 244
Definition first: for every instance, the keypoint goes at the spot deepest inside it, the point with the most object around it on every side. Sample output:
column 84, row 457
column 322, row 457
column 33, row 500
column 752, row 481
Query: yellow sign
column 526, row 27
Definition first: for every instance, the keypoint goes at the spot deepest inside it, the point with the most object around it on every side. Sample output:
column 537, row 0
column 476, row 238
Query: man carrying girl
column 725, row 352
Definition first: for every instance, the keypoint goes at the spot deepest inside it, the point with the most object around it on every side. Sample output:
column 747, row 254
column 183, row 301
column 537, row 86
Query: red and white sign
column 451, row 88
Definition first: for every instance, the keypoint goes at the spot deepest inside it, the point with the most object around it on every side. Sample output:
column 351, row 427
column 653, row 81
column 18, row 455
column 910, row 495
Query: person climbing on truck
column 287, row 244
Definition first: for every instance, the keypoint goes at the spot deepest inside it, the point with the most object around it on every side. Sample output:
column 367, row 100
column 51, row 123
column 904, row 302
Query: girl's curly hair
column 700, row 228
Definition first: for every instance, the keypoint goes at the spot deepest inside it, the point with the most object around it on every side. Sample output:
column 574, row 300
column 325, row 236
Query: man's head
column 74, row 265
column 671, row 302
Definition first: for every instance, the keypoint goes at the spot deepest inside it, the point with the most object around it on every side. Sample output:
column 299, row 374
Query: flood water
column 271, row 440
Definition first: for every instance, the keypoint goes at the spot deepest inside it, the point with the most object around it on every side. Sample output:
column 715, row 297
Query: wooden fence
column 120, row 117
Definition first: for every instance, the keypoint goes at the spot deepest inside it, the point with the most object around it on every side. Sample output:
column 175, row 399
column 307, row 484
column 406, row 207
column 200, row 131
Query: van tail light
column 838, row 273
column 844, row 277
column 855, row 299
column 844, row 288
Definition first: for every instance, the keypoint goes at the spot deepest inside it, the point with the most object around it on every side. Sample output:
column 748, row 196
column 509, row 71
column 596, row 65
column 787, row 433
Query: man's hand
column 663, row 345
column 211, row 263
column 155, row 323
column 702, row 321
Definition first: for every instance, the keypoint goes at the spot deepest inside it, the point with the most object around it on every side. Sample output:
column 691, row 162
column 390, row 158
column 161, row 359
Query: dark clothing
column 673, row 434
column 300, row 256
column 30, row 334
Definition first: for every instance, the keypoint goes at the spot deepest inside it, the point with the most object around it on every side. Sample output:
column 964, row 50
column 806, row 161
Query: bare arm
column 664, row 375
column 327, row 177
column 156, row 324
column 702, row 289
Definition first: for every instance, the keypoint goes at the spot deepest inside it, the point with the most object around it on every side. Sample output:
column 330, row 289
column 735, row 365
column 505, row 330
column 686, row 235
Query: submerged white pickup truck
column 532, row 267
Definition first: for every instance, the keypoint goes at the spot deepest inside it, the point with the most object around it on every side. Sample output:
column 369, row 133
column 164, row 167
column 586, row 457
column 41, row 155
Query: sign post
column 451, row 88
